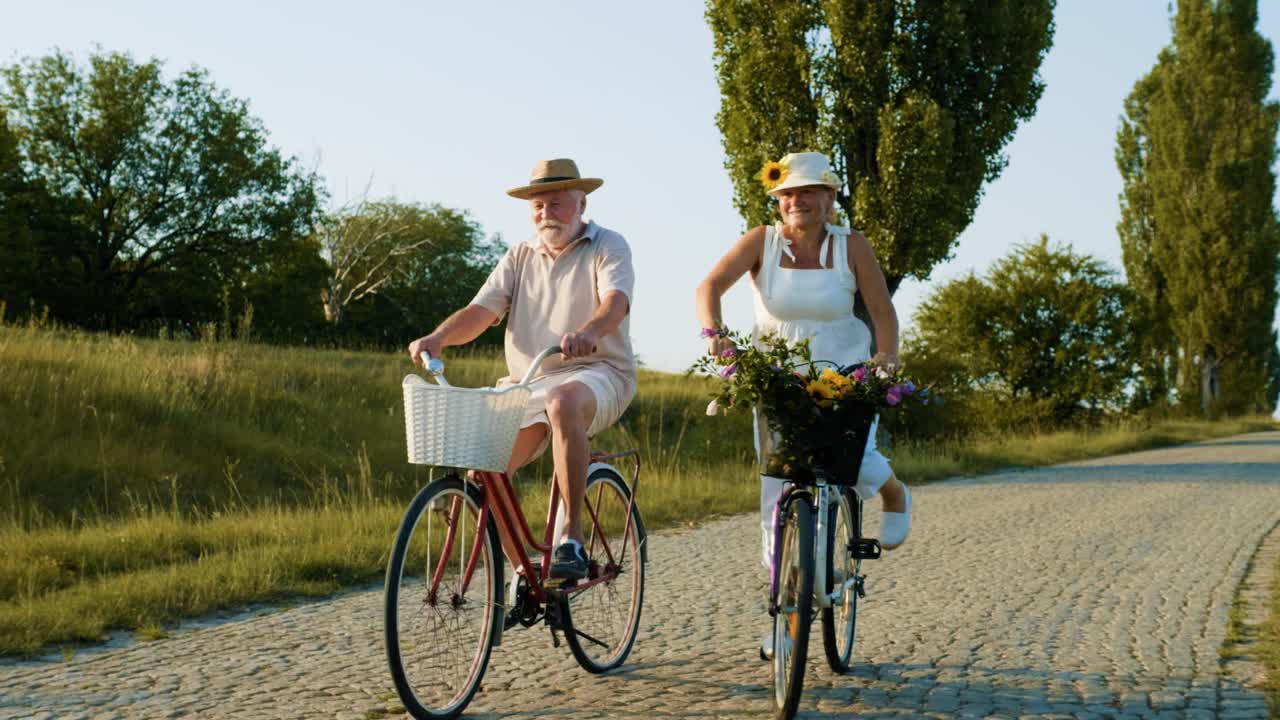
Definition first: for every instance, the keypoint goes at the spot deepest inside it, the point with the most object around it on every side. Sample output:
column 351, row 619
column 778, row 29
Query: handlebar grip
column 434, row 366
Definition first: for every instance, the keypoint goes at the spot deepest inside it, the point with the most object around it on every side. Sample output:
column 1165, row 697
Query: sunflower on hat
column 773, row 173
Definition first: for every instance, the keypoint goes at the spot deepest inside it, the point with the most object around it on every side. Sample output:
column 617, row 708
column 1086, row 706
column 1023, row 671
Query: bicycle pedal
column 557, row 584
column 865, row 549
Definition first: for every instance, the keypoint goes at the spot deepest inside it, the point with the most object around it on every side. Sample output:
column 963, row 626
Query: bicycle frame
column 499, row 501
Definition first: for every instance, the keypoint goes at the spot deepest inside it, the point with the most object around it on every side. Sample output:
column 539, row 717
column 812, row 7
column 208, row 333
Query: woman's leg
column 770, row 491
column 893, row 499
column 877, row 478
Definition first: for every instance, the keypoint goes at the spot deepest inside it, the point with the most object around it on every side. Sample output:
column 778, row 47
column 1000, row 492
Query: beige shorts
column 609, row 404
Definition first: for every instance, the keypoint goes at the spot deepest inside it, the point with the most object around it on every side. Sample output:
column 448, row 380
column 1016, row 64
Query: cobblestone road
column 1096, row 589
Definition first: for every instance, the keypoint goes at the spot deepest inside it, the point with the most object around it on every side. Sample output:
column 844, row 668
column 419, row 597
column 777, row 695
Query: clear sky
column 453, row 102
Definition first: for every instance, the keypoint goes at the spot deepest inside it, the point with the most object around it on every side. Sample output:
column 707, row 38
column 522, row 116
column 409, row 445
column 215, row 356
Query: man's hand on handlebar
column 577, row 344
column 429, row 344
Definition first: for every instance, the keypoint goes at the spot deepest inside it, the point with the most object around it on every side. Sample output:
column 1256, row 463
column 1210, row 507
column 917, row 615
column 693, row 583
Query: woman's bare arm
column 744, row 256
column 875, row 293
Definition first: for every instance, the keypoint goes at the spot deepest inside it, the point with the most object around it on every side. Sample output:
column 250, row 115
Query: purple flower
column 728, row 372
column 711, row 332
column 860, row 375
column 908, row 388
column 894, row 396
column 729, row 352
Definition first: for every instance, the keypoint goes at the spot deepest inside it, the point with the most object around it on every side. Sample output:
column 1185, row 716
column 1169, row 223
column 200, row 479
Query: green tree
column 365, row 244
column 151, row 175
column 913, row 100
column 1045, row 335
column 19, row 268
column 1155, row 348
column 1201, row 244
column 282, row 292
column 396, row 269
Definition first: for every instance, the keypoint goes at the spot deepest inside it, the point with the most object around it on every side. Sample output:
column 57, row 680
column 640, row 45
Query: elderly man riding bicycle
column 568, row 285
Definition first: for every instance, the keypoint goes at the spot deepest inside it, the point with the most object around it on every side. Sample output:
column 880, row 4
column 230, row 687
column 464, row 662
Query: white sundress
column 816, row 305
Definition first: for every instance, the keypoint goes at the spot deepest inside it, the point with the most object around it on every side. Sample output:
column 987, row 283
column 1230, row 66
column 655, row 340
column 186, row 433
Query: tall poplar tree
column 913, row 100
column 1155, row 349
column 1198, row 228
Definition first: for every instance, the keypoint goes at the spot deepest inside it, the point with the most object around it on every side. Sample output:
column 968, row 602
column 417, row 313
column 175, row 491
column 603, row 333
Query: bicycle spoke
column 839, row 620
column 441, row 631
column 606, row 613
column 795, row 604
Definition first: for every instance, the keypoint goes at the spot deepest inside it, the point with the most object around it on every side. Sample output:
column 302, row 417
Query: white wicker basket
column 462, row 427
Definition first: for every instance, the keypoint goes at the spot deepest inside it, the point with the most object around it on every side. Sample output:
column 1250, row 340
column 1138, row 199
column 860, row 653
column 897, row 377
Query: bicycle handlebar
column 537, row 363
column 435, row 366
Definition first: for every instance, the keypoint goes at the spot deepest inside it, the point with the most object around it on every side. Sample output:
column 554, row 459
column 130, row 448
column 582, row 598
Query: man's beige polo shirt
column 544, row 298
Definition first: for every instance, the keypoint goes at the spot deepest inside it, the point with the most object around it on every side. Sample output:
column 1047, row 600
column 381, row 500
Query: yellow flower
column 840, row 384
column 822, row 392
column 772, row 174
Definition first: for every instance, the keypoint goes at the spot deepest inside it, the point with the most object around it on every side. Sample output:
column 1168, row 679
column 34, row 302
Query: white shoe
column 766, row 647
column 896, row 525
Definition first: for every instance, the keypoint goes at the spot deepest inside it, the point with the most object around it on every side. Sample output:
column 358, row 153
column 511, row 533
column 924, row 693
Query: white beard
column 557, row 237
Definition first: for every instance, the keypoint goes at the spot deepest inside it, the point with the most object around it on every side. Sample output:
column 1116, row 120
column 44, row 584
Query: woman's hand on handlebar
column 717, row 345
column 577, row 344
column 429, row 344
column 888, row 360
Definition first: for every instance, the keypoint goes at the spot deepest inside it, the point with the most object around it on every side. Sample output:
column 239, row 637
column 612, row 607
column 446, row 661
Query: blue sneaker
column 569, row 561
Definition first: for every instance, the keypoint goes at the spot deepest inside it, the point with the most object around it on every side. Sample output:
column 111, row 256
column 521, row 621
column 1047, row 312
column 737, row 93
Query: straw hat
column 552, row 175
column 797, row 170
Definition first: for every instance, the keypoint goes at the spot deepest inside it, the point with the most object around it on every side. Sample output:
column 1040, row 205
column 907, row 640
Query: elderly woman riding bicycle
column 805, row 271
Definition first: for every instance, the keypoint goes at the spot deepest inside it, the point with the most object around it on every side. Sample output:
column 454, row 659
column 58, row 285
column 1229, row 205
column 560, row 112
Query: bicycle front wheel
column 795, row 606
column 443, row 599
column 601, row 620
column 839, row 622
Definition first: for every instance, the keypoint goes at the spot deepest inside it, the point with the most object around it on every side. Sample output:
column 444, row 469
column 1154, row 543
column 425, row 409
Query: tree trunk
column 332, row 308
column 1209, row 388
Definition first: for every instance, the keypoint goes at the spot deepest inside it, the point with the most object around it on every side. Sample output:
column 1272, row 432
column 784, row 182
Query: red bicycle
column 445, row 607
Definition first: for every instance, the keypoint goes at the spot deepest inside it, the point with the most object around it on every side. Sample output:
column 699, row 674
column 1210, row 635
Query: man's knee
column 571, row 405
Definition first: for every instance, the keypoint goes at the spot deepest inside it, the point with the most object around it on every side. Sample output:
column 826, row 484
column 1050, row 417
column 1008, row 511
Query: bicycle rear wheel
column 439, row 634
column 839, row 622
column 601, row 621
column 795, row 606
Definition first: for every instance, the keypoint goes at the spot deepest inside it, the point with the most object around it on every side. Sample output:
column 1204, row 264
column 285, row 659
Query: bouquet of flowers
column 820, row 412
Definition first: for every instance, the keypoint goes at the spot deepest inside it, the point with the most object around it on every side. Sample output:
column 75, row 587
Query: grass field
column 143, row 481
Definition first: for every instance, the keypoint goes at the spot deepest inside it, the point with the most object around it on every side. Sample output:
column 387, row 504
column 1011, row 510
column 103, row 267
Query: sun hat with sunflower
column 796, row 170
